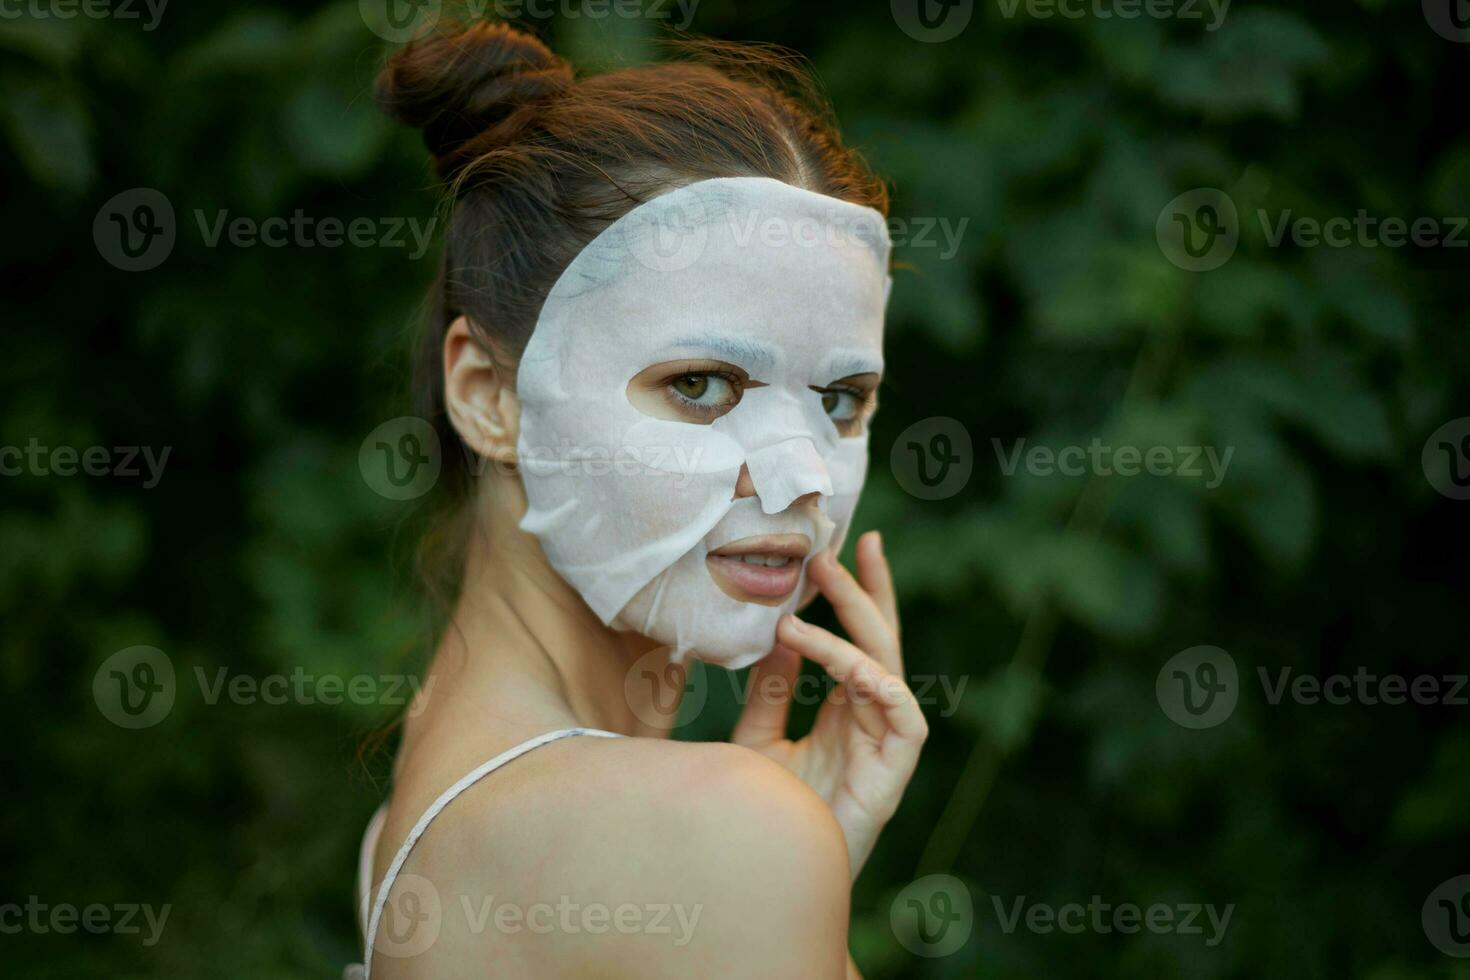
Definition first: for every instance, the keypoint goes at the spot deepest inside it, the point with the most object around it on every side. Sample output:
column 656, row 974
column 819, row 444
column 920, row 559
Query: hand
column 862, row 750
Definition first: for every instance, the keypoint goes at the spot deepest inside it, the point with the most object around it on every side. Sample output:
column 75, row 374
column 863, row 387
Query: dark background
column 1056, row 600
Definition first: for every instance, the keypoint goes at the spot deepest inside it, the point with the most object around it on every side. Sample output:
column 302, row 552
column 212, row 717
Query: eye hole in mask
column 849, row 402
column 700, row 391
column 697, row 391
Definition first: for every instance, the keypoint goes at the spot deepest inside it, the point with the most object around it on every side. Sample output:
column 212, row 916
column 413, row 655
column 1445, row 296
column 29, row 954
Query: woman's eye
column 691, row 390
column 703, row 389
column 849, row 402
column 840, row 405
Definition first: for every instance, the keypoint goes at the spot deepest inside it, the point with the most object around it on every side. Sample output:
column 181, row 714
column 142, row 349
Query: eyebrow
column 851, row 364
column 746, row 353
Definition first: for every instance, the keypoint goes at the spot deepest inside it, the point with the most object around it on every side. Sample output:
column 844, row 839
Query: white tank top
column 370, row 916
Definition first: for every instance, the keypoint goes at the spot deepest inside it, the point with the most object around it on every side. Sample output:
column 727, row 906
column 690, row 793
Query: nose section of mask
column 787, row 471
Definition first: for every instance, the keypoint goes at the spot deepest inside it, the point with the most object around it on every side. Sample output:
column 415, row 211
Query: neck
column 523, row 649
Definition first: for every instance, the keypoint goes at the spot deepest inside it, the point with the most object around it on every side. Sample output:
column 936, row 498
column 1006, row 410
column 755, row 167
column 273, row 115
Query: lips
column 764, row 569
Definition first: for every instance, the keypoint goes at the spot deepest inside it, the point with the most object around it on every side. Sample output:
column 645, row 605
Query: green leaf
column 1253, row 65
column 52, row 134
column 1005, row 706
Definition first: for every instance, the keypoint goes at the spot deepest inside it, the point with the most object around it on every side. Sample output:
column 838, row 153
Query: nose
column 784, row 473
column 745, row 487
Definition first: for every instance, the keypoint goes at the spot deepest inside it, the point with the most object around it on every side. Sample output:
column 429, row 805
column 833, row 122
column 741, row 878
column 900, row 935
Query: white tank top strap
column 445, row 798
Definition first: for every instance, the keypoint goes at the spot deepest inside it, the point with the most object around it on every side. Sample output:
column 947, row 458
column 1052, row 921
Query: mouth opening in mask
column 764, row 569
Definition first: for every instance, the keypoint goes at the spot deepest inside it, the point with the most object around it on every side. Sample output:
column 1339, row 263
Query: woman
column 658, row 340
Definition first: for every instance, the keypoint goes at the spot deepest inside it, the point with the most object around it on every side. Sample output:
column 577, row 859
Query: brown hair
column 539, row 161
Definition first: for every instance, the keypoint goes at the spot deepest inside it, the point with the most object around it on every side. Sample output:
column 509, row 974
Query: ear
column 478, row 396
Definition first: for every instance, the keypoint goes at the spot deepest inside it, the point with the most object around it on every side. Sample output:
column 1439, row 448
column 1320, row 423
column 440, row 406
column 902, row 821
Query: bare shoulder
column 641, row 857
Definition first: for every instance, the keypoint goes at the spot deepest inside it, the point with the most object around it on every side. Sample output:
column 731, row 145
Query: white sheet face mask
column 786, row 286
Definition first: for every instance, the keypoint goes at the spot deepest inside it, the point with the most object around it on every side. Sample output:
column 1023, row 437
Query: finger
column 856, row 609
column 876, row 577
column 859, row 674
column 904, row 715
column 768, row 699
column 907, row 728
column 876, row 697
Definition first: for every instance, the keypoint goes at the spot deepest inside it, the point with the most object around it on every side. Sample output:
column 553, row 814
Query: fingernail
column 795, row 624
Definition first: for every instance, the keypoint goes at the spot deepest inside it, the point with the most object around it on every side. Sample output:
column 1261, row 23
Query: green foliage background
column 1055, row 599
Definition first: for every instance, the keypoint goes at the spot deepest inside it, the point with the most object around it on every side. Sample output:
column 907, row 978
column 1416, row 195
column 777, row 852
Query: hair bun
column 461, row 86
